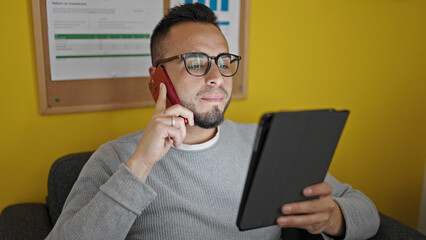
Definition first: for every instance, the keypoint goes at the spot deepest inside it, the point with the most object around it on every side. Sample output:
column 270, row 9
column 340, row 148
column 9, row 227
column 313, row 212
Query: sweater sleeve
column 105, row 200
column 359, row 212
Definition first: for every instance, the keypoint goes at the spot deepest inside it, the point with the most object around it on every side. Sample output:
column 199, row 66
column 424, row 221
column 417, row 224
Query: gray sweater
column 187, row 195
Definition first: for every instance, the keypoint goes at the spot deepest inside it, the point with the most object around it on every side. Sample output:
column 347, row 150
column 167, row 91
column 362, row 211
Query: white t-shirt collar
column 201, row 146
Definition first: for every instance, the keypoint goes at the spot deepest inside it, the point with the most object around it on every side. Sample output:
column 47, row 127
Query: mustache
column 212, row 90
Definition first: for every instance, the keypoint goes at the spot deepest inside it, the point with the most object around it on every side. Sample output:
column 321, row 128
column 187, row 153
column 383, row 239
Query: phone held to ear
column 161, row 76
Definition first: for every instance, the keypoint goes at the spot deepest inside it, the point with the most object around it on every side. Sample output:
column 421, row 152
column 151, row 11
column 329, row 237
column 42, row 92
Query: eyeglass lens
column 198, row 64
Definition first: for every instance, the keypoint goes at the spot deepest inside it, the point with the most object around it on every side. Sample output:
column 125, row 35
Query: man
column 177, row 181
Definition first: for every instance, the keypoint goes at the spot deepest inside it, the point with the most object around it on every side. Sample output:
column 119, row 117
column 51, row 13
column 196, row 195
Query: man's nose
column 213, row 77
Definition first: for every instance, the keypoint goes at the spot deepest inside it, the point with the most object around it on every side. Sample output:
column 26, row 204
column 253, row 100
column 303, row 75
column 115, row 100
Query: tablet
column 292, row 150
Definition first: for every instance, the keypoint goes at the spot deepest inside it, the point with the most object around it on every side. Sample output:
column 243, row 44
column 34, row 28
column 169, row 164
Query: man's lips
column 212, row 98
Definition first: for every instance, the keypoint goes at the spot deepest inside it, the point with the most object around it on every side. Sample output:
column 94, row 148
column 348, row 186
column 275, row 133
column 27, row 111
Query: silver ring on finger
column 173, row 122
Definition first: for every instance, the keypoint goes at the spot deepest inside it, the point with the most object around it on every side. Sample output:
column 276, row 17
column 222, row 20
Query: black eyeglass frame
column 182, row 56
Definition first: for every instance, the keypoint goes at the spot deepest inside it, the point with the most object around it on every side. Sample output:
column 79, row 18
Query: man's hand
column 166, row 126
column 317, row 215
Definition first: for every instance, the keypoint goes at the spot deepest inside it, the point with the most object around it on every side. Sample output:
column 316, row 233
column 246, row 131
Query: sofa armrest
column 391, row 229
column 25, row 221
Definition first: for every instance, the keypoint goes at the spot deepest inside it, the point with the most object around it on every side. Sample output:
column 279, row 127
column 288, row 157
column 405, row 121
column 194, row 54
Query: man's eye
column 223, row 63
column 194, row 66
column 223, row 66
column 196, row 63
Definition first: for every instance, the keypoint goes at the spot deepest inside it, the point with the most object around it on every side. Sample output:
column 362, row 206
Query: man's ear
column 151, row 71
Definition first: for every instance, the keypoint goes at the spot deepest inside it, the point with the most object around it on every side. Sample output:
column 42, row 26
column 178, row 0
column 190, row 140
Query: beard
column 210, row 119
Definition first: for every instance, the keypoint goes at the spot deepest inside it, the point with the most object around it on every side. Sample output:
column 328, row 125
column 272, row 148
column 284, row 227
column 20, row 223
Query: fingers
column 175, row 110
column 312, row 223
column 181, row 112
column 160, row 105
column 173, row 127
column 320, row 190
column 321, row 214
column 324, row 217
column 309, row 207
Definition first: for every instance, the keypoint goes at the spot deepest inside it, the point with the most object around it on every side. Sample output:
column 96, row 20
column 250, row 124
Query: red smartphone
column 161, row 76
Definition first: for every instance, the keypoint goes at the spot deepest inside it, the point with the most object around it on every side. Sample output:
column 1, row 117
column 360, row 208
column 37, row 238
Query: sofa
column 34, row 221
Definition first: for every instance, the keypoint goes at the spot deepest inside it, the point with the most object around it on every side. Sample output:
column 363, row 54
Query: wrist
column 139, row 167
column 337, row 223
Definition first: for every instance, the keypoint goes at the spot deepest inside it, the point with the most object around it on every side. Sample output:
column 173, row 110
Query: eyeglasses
column 198, row 64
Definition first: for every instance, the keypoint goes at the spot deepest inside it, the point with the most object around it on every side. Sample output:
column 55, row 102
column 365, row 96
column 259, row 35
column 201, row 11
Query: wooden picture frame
column 85, row 95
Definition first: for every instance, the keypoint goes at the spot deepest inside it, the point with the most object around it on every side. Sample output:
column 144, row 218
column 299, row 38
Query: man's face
column 207, row 96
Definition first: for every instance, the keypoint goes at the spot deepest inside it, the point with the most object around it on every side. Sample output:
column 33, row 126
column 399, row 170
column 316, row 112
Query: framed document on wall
column 94, row 55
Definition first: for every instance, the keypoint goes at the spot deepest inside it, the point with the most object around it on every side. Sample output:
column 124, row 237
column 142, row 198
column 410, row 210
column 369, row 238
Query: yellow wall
column 368, row 56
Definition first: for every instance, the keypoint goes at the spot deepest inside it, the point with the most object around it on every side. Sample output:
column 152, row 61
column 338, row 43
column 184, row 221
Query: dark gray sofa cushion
column 391, row 229
column 27, row 221
column 63, row 174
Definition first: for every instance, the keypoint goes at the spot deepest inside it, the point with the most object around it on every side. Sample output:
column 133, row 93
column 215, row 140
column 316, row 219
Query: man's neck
column 197, row 135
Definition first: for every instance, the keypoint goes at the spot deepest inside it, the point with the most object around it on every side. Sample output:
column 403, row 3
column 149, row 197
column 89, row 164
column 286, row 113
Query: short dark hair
column 189, row 12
